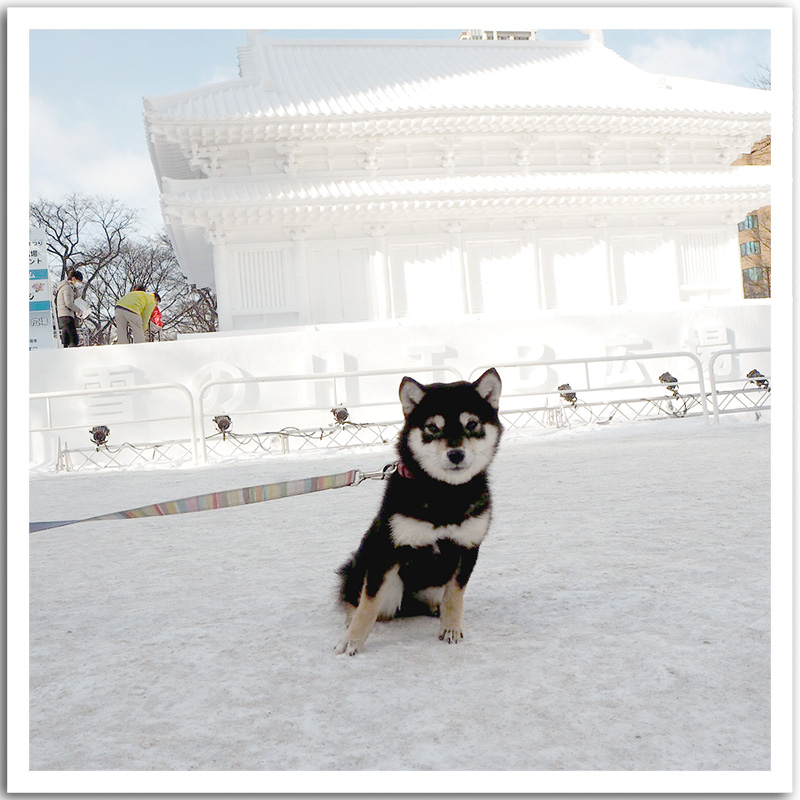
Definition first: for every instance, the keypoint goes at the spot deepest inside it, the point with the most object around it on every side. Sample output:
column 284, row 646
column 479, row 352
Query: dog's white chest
column 417, row 533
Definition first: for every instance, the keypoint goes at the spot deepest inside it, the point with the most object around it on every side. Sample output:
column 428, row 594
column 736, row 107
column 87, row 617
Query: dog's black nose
column 456, row 456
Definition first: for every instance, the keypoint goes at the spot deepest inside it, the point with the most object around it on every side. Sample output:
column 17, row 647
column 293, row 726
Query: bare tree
column 150, row 263
column 761, row 78
column 99, row 237
column 195, row 313
column 762, row 149
column 85, row 233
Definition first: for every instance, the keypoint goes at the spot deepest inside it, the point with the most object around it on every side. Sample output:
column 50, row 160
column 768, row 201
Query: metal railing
column 586, row 362
column 761, row 394
column 144, row 387
column 332, row 377
column 545, row 414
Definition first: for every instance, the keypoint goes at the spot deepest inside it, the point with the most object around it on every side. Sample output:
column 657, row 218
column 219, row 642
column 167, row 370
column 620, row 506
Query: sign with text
column 40, row 294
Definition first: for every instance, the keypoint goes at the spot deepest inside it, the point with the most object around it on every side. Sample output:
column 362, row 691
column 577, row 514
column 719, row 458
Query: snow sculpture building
column 349, row 181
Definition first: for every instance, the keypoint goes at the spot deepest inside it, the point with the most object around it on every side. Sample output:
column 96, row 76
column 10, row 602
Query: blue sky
column 86, row 88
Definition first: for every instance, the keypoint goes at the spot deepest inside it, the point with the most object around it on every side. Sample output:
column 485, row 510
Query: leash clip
column 381, row 475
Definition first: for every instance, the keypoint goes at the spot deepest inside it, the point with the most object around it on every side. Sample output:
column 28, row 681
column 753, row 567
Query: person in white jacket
column 66, row 310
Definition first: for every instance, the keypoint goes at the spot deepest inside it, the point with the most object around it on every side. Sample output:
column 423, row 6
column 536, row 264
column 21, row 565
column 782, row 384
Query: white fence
column 720, row 399
column 334, row 379
column 585, row 365
column 626, row 400
column 187, row 420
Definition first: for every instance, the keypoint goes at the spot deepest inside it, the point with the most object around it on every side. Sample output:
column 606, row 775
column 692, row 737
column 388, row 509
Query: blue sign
column 40, row 294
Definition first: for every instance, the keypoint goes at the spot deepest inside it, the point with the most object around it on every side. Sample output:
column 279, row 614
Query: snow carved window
column 262, row 281
column 425, row 281
column 575, row 273
column 644, row 271
column 502, row 278
column 702, row 258
column 339, row 285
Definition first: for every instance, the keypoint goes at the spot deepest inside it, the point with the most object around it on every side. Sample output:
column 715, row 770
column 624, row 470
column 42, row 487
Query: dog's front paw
column 451, row 634
column 349, row 646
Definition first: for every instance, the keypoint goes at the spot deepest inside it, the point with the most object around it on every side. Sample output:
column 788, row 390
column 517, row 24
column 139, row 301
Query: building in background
column 375, row 181
column 755, row 232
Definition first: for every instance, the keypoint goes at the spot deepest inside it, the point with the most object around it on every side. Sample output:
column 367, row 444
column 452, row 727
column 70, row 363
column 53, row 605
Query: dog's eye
column 432, row 427
column 471, row 425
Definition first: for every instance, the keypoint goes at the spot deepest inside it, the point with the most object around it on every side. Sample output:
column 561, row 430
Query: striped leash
column 232, row 497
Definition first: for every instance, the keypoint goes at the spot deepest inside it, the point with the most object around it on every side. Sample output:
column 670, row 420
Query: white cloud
column 727, row 60
column 75, row 156
column 220, row 74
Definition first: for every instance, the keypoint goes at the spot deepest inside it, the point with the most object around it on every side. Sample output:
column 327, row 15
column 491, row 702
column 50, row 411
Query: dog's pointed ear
column 411, row 393
column 488, row 386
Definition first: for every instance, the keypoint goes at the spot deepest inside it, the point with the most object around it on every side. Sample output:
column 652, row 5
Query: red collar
column 403, row 470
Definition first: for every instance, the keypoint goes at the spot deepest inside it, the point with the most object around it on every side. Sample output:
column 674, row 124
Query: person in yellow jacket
column 132, row 313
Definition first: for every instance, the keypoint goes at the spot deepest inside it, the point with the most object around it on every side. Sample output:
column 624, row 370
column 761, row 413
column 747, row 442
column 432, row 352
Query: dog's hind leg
column 383, row 604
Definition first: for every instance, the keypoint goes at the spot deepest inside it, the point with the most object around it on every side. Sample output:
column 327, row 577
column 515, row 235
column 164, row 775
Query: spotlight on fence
column 567, row 394
column 670, row 383
column 223, row 424
column 758, row 379
column 99, row 435
column 340, row 414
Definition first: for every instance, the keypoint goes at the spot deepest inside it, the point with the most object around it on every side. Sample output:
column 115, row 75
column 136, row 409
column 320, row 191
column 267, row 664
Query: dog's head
column 451, row 430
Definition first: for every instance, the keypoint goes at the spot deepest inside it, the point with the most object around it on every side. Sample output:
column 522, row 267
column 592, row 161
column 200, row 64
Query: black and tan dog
column 418, row 554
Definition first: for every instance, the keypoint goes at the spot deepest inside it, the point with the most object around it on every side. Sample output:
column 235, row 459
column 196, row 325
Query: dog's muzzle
column 455, row 457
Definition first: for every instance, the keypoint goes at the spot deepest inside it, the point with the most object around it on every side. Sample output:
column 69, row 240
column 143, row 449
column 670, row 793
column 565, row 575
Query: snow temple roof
column 297, row 80
column 347, row 137
column 295, row 201
column 539, row 188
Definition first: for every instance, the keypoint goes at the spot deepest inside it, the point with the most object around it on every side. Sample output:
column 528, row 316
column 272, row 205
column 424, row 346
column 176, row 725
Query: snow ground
column 618, row 618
